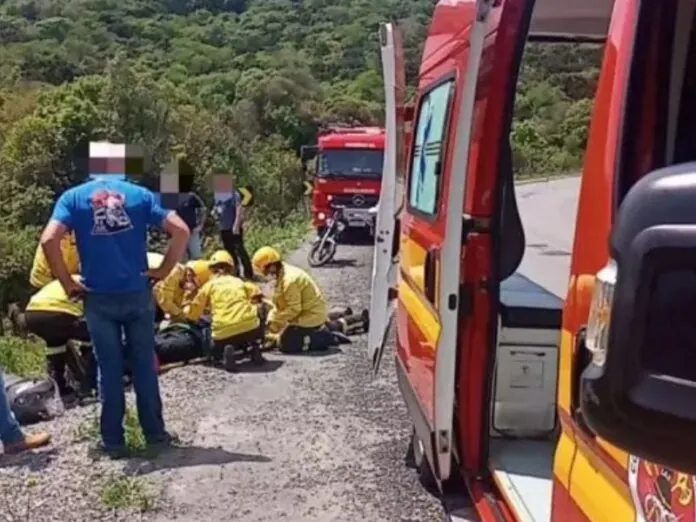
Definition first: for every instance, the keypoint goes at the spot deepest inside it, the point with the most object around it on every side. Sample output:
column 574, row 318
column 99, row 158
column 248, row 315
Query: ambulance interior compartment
column 523, row 420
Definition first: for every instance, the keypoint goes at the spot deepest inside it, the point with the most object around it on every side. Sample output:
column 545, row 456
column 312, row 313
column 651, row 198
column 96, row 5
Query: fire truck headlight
column 329, row 198
column 321, row 216
column 600, row 313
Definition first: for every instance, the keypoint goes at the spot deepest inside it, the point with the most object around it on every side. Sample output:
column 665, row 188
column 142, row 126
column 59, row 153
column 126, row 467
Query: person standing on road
column 191, row 210
column 110, row 218
column 13, row 440
column 231, row 214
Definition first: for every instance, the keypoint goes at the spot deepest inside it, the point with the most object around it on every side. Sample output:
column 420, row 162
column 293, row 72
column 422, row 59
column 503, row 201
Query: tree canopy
column 235, row 85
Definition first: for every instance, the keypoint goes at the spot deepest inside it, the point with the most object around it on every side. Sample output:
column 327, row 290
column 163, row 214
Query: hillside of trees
column 235, row 85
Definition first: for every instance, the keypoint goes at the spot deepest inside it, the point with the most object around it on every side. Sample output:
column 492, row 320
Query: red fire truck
column 348, row 173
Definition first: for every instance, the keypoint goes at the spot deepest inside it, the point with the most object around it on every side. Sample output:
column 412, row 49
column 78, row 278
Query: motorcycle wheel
column 320, row 254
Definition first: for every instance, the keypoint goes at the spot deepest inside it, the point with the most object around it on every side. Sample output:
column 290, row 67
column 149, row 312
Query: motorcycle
column 324, row 246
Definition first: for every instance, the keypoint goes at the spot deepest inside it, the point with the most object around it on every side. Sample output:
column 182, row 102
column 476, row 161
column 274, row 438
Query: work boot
column 229, row 359
column 29, row 442
column 256, row 357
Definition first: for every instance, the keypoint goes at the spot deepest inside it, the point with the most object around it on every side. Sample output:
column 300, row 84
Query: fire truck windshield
column 350, row 163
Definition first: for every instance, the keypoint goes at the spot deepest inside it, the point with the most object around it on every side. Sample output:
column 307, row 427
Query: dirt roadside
column 310, row 439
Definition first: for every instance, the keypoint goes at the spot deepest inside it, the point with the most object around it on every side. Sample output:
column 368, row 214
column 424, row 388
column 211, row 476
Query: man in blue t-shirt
column 110, row 218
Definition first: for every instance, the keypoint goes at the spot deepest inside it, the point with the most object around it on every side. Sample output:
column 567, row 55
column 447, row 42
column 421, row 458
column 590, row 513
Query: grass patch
column 135, row 440
column 124, row 492
column 22, row 357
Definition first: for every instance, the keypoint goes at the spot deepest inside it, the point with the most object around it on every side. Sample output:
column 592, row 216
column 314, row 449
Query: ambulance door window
column 428, row 149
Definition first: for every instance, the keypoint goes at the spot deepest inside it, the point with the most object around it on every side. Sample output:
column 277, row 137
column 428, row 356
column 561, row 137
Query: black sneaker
column 98, row 450
column 168, row 440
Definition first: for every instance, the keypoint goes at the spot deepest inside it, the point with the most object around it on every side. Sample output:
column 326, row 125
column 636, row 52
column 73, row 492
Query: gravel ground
column 316, row 438
column 308, row 438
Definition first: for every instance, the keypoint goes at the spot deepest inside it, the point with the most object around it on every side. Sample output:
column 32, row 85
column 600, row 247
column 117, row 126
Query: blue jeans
column 111, row 318
column 10, row 433
column 194, row 246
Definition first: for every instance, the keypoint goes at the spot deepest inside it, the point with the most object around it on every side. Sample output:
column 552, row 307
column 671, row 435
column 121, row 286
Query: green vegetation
column 125, row 492
column 22, row 357
column 235, row 85
column 88, row 431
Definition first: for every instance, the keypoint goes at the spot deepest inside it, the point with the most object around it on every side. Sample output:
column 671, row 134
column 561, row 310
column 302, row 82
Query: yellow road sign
column 308, row 187
column 247, row 196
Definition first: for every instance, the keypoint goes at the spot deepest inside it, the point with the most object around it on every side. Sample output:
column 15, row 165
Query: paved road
column 317, row 438
column 548, row 213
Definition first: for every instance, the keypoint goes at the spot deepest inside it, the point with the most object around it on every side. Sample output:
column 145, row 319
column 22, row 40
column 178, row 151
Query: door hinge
column 472, row 225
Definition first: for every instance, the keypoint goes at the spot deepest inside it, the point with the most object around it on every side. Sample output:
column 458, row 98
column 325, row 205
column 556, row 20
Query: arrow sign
column 247, row 195
column 308, row 187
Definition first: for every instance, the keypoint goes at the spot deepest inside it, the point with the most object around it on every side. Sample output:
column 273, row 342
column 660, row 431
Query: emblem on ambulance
column 661, row 494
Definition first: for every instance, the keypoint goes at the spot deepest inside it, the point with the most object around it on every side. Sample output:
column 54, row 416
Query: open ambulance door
column 384, row 267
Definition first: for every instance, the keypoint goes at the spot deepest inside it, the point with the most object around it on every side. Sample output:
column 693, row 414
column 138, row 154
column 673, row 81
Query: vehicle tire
column 318, row 256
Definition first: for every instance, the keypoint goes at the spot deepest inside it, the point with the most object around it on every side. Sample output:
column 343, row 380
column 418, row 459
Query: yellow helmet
column 263, row 257
column 154, row 260
column 200, row 269
column 221, row 257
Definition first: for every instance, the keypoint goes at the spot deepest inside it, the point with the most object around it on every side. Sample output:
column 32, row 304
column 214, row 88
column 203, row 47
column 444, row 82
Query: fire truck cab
column 549, row 410
column 347, row 173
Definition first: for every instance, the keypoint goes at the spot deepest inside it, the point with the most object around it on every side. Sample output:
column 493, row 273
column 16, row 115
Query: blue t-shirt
column 228, row 210
column 110, row 218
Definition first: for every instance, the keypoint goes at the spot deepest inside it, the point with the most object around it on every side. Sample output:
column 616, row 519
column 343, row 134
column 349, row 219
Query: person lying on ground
column 13, row 439
column 56, row 319
column 110, row 218
column 300, row 313
column 41, row 274
column 236, row 318
column 169, row 293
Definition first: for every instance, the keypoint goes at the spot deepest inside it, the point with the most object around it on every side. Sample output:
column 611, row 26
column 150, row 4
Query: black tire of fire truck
column 321, row 252
column 415, row 458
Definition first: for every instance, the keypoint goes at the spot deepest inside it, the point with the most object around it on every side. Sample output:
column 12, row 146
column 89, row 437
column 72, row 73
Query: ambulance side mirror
column 639, row 392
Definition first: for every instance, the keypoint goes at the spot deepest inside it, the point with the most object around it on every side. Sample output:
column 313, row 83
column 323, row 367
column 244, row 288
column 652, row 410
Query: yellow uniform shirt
column 41, row 273
column 229, row 300
column 169, row 293
column 52, row 298
column 297, row 300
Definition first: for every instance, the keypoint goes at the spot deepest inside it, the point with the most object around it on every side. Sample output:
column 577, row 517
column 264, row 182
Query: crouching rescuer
column 299, row 315
column 52, row 316
column 237, row 321
column 169, row 293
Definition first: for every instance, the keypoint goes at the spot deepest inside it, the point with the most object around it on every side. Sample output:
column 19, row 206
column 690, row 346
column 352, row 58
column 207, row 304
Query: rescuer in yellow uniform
column 41, row 275
column 299, row 313
column 169, row 293
column 52, row 316
column 236, row 318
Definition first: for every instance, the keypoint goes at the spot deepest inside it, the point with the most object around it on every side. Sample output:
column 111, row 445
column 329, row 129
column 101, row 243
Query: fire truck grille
column 355, row 200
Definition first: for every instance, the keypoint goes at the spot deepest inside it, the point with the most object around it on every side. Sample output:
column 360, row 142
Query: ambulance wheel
column 421, row 464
